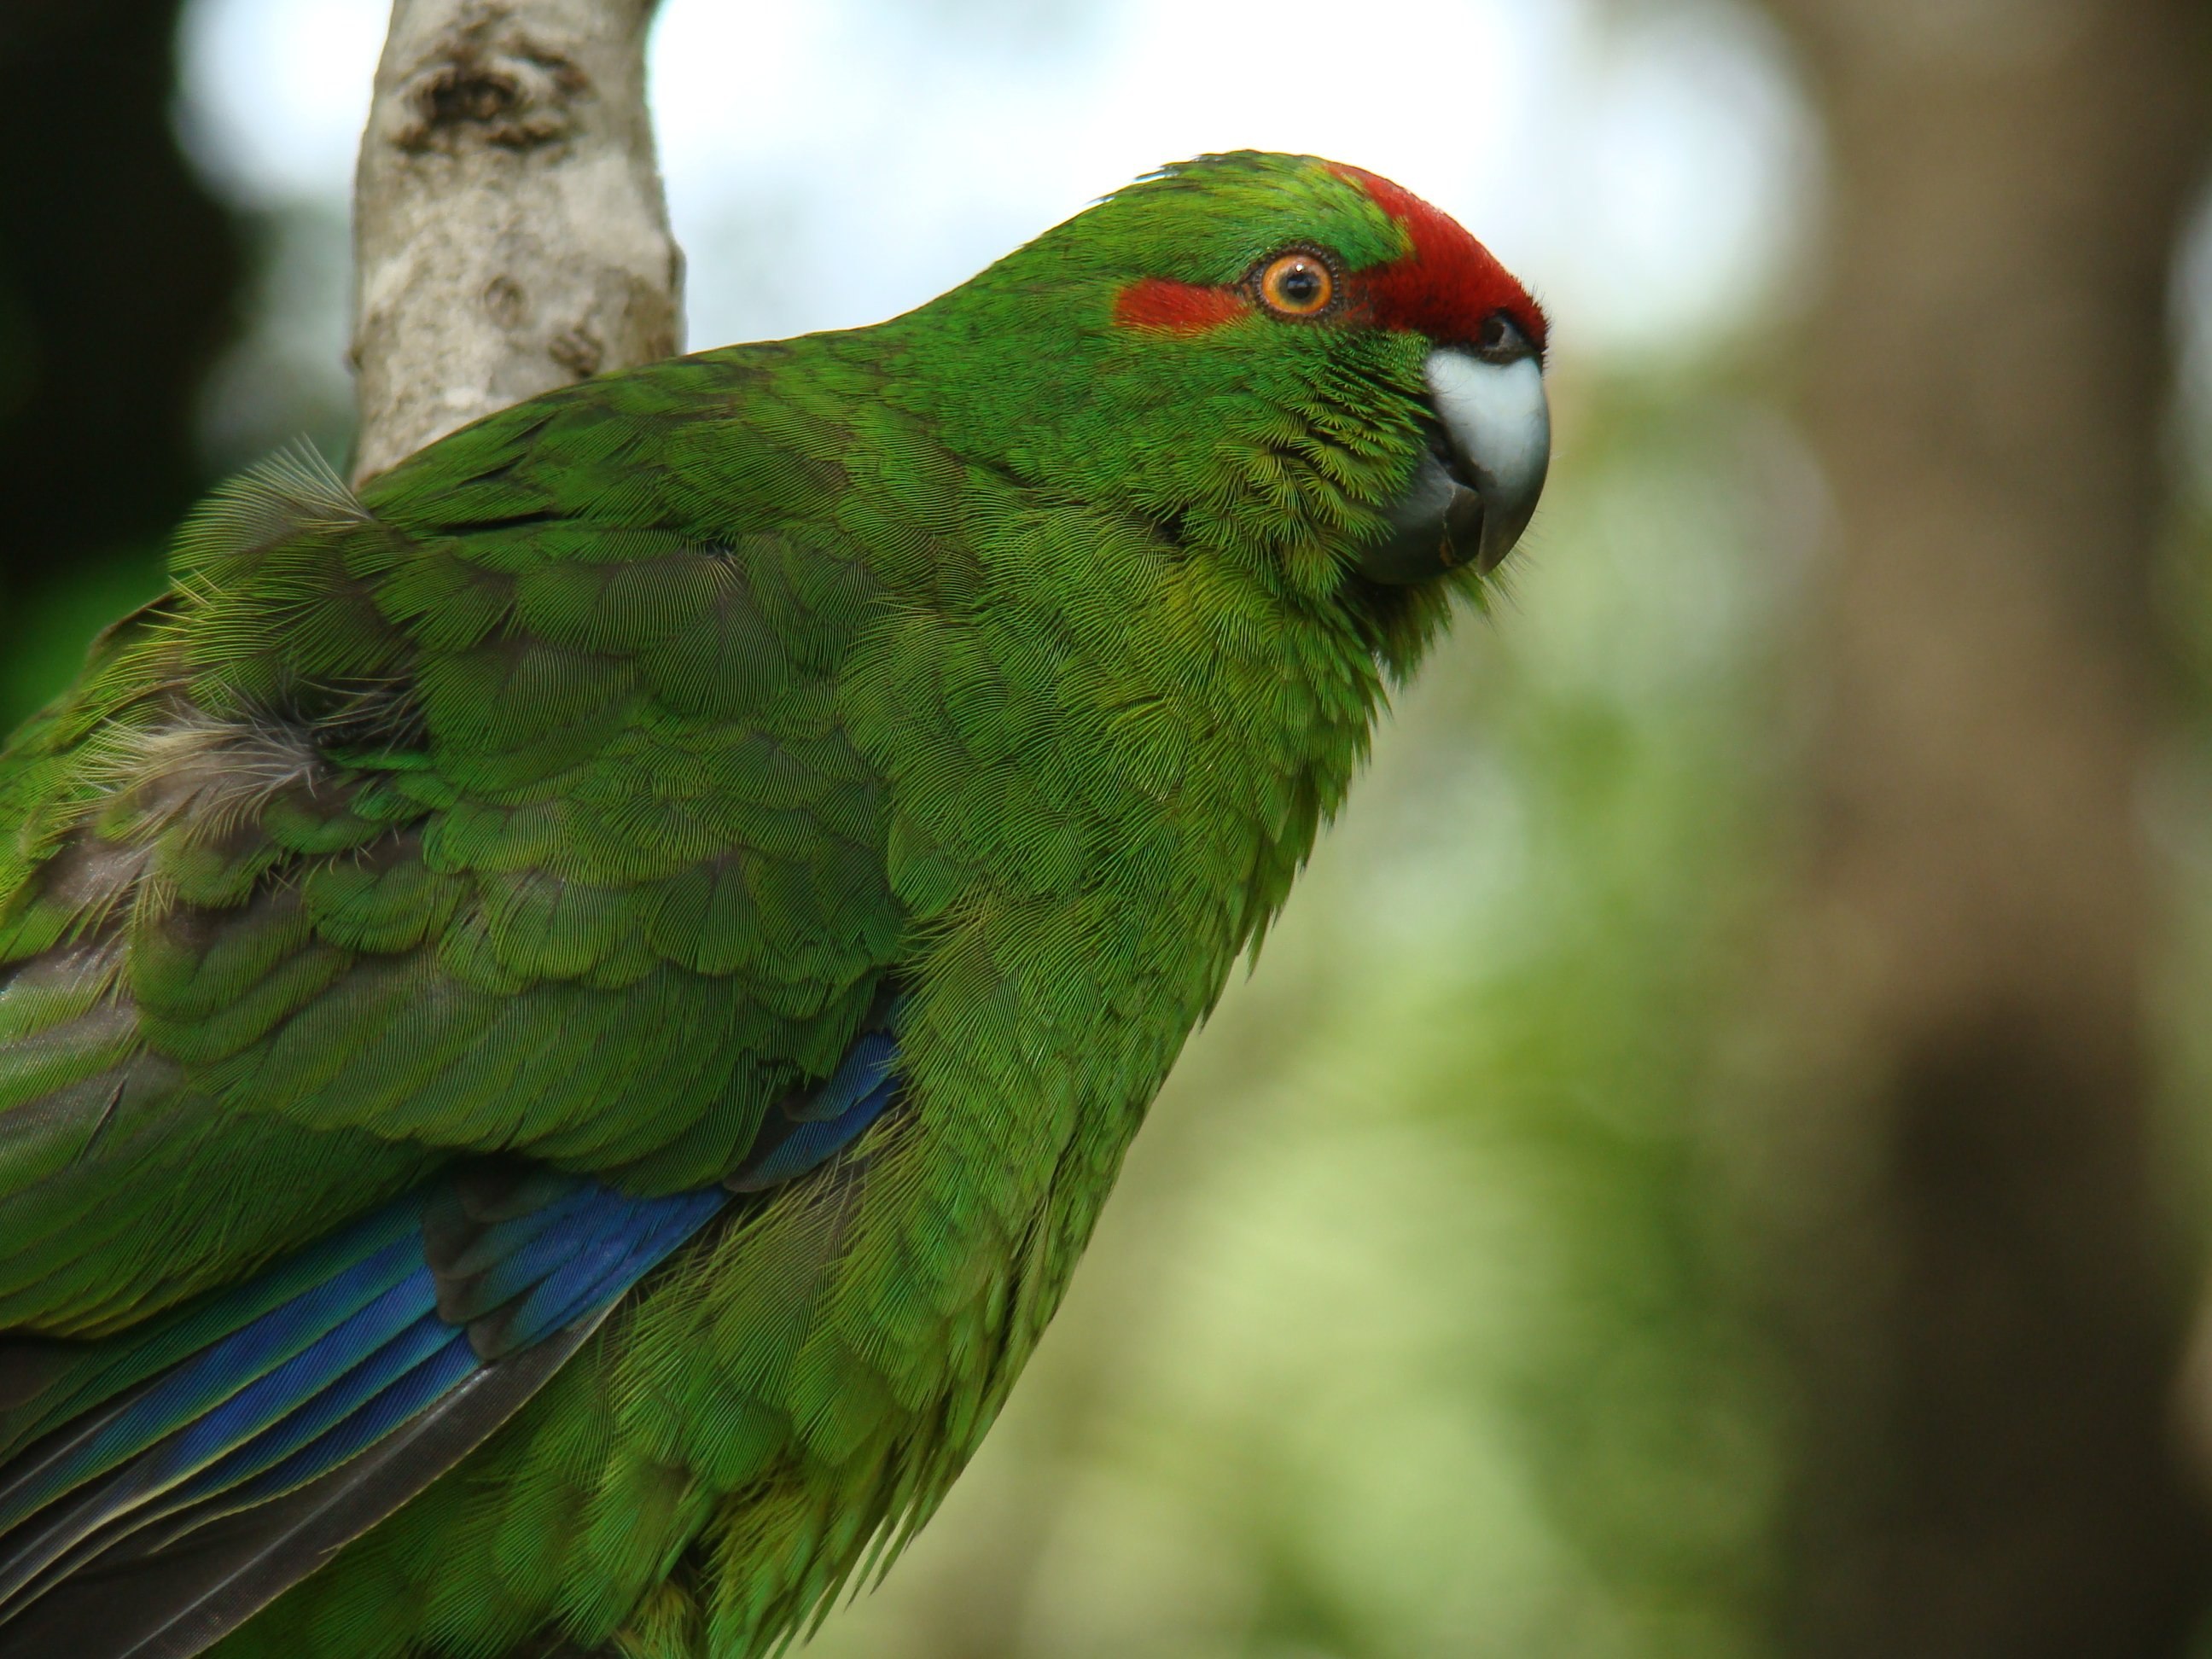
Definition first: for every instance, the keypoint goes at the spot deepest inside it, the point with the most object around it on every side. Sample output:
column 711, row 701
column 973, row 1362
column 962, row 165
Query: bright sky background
column 835, row 162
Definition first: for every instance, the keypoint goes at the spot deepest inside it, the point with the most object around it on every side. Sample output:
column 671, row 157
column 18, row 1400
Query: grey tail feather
column 176, row 1594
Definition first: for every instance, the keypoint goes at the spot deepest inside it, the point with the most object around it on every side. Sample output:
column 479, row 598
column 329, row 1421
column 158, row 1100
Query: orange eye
column 1297, row 285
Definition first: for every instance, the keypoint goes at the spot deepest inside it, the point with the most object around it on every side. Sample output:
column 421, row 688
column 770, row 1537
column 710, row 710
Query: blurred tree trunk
column 1989, row 1300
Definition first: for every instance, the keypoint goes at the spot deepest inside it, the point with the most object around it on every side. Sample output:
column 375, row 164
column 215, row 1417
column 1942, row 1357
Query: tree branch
column 509, row 231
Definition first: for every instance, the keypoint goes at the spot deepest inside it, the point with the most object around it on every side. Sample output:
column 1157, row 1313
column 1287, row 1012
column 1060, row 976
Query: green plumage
column 572, row 793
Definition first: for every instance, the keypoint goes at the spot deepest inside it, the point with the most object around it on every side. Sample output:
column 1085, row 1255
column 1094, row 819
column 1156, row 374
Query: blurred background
column 1714, row 1161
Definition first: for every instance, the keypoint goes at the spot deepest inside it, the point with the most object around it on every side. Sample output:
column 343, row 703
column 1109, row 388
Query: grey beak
column 1475, row 491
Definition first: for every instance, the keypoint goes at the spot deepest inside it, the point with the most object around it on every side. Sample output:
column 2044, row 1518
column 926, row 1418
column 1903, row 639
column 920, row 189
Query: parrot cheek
column 1475, row 490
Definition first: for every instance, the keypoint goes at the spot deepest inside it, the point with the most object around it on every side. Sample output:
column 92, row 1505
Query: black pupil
column 1301, row 285
column 1493, row 333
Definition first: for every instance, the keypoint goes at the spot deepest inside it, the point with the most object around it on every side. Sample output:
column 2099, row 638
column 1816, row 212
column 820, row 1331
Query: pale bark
column 510, row 235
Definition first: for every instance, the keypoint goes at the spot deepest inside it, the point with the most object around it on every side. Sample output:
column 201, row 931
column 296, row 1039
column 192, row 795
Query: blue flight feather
column 429, row 1379
column 421, row 1338
column 865, row 1066
column 814, row 1140
column 265, row 1388
column 613, row 1263
column 213, row 1376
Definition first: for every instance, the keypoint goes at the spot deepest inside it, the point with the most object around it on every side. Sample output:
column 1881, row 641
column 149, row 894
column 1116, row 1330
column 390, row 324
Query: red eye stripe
column 1449, row 284
column 1178, row 307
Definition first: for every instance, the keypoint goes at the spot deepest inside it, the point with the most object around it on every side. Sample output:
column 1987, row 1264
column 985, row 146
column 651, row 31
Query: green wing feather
column 425, row 824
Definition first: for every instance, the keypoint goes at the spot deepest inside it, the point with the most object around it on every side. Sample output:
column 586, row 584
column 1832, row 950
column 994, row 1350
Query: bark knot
column 578, row 349
column 488, row 84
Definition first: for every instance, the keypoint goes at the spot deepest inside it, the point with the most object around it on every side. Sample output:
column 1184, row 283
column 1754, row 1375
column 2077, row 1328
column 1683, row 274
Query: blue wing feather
column 280, row 1382
column 811, row 1141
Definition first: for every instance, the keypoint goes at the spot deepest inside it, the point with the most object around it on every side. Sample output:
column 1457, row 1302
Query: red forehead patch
column 1449, row 284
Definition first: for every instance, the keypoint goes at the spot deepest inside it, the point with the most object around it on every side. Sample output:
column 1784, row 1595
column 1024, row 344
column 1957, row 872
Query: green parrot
column 564, row 1019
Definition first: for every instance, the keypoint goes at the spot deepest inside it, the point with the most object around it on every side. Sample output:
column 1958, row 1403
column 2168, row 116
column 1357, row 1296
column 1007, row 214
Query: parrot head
column 1290, row 360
